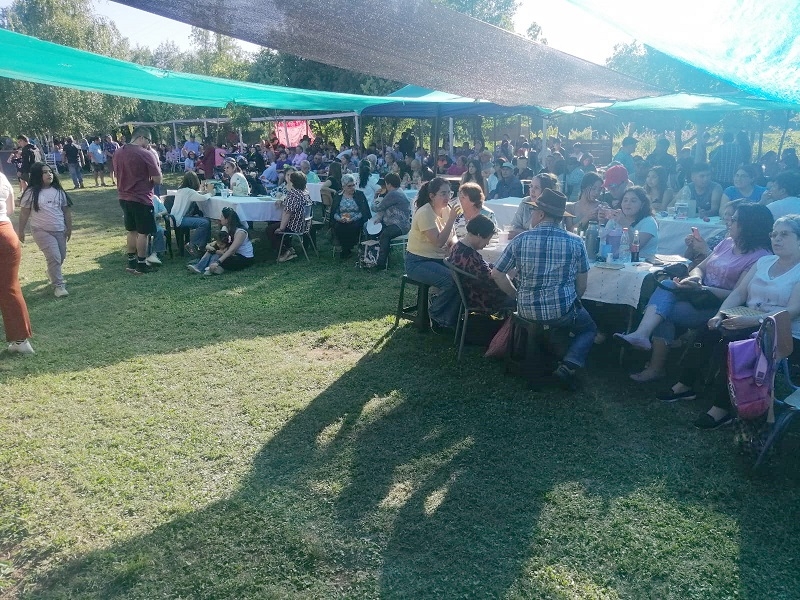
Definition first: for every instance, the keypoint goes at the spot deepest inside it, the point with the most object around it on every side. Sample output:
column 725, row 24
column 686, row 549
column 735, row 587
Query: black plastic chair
column 182, row 234
column 465, row 310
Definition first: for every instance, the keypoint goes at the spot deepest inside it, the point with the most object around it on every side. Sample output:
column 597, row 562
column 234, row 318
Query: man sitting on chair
column 552, row 269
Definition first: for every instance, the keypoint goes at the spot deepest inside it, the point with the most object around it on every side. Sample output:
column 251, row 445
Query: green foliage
column 215, row 55
column 534, row 32
column 276, row 68
column 661, row 70
column 496, row 12
column 38, row 109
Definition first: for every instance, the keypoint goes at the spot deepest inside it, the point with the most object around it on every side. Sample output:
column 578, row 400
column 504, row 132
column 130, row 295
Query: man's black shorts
column 138, row 217
column 99, row 167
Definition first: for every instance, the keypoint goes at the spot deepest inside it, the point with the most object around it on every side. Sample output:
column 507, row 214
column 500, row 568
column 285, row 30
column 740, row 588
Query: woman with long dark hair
column 635, row 214
column 656, row 186
column 429, row 243
column 716, row 276
column 473, row 175
column 46, row 204
column 239, row 254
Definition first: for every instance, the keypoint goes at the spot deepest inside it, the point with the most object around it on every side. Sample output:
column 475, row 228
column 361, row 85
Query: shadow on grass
column 388, row 485
column 111, row 315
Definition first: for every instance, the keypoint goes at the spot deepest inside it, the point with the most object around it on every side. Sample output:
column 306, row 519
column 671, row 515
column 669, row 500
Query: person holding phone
column 670, row 306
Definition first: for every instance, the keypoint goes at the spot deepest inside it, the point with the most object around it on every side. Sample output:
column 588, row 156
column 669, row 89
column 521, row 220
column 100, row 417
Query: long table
column 249, row 208
column 671, row 232
column 610, row 286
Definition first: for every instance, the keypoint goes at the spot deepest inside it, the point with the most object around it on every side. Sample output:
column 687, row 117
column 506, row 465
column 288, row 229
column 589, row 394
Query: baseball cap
column 616, row 175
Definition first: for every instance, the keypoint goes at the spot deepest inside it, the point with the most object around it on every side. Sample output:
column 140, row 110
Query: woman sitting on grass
column 239, row 254
column 46, row 204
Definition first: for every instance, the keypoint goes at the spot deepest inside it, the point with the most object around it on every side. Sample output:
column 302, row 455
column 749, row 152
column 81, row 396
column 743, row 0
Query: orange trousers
column 16, row 321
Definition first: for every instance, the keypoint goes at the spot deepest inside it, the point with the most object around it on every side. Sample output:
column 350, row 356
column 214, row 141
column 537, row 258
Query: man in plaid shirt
column 552, row 269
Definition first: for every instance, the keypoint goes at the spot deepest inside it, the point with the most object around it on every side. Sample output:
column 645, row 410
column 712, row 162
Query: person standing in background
column 138, row 171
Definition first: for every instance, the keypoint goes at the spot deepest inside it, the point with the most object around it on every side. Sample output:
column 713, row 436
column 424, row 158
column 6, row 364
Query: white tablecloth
column 623, row 286
column 672, row 233
column 504, row 209
column 313, row 191
column 262, row 208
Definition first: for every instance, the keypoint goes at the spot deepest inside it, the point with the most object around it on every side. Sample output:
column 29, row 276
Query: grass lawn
column 267, row 434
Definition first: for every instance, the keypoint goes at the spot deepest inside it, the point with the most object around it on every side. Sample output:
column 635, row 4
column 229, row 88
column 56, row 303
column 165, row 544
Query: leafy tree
column 38, row 109
column 534, row 32
column 496, row 12
column 216, row 55
column 659, row 69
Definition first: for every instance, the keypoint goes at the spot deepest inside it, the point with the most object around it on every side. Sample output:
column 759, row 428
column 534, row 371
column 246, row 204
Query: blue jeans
column 202, row 230
column 579, row 323
column 159, row 243
column 209, row 258
column 75, row 173
column 676, row 312
column 444, row 305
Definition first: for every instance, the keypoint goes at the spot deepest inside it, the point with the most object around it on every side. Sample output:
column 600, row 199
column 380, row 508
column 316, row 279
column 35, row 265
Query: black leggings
column 236, row 262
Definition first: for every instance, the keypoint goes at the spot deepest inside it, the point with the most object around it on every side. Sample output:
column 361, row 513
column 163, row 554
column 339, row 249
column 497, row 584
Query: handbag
column 751, row 371
column 700, row 299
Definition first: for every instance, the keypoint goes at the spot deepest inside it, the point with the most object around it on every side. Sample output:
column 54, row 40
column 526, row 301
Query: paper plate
column 373, row 228
column 612, row 266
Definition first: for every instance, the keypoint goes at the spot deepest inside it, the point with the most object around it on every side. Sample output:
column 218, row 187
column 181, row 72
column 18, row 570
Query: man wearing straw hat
column 553, row 268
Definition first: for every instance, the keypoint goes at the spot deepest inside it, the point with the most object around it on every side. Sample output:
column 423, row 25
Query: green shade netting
column 31, row 59
column 683, row 102
column 752, row 44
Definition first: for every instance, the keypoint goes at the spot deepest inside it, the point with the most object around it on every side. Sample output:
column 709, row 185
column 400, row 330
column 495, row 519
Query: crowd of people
column 542, row 273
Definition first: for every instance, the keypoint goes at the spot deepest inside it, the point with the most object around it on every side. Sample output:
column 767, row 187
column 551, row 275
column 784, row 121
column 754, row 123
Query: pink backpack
column 751, row 371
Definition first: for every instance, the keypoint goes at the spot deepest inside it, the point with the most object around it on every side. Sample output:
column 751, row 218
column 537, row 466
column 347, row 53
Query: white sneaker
column 23, row 347
column 193, row 269
column 60, row 291
column 153, row 259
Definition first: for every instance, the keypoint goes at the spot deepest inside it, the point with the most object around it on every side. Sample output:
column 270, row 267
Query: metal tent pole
column 760, row 132
column 452, row 154
column 175, row 133
column 205, row 128
column 358, row 131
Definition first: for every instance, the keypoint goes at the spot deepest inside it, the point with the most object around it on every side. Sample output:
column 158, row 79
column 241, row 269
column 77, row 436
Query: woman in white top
column 770, row 286
column 16, row 322
column 239, row 254
column 635, row 214
column 368, row 183
column 186, row 195
column 46, row 204
column 238, row 182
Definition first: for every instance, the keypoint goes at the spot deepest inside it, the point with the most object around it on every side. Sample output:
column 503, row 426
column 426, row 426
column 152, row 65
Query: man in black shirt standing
column 73, row 158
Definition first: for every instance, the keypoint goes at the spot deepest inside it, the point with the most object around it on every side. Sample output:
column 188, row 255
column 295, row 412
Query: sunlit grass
column 267, row 435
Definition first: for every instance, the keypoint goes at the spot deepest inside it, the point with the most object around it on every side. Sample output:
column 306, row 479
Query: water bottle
column 624, row 247
column 613, row 238
column 592, row 240
column 690, row 202
column 635, row 247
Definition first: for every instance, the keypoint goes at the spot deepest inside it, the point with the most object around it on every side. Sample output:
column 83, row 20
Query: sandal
column 707, row 422
column 642, row 378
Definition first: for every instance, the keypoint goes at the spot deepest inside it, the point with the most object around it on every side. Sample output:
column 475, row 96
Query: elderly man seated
column 553, row 269
column 508, row 186
column 305, row 168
